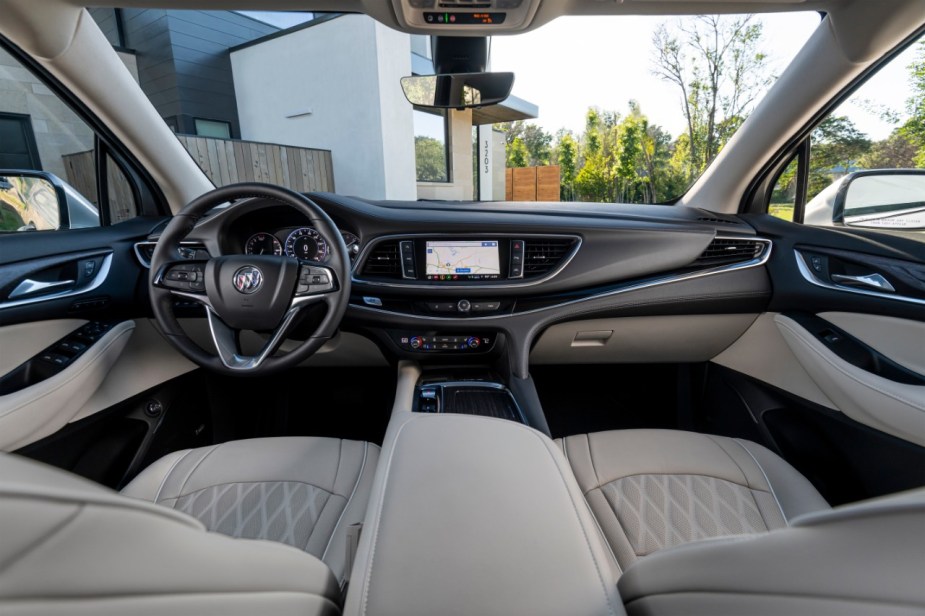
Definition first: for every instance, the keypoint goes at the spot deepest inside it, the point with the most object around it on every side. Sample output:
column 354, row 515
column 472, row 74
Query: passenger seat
column 656, row 489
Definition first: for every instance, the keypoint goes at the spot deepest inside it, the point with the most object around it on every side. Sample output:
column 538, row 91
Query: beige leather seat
column 301, row 491
column 655, row 489
column 857, row 560
column 70, row 546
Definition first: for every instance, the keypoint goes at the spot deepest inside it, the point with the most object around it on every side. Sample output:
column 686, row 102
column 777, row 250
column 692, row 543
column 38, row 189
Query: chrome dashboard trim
column 489, row 285
column 811, row 278
column 759, row 261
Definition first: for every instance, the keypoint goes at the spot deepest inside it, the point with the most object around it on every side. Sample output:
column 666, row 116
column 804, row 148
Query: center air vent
column 543, row 255
column 726, row 251
column 384, row 261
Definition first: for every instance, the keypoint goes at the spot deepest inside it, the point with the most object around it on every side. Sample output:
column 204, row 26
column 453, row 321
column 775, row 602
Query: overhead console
column 460, row 17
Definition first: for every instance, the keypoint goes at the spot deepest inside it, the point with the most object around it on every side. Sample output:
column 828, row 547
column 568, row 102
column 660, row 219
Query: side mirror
column 41, row 201
column 457, row 90
column 878, row 199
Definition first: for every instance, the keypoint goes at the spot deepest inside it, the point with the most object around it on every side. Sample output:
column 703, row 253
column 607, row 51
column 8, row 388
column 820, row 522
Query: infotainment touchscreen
column 463, row 260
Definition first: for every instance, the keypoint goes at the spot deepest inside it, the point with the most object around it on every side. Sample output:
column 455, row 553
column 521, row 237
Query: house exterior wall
column 334, row 86
column 182, row 59
column 460, row 186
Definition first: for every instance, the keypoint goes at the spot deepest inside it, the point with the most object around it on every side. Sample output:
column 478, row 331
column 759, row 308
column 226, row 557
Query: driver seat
column 302, row 491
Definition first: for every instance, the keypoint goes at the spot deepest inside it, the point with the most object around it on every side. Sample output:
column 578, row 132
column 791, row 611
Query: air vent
column 725, row 251
column 384, row 261
column 543, row 255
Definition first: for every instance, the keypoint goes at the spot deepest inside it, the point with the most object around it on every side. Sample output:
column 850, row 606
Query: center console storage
column 470, row 515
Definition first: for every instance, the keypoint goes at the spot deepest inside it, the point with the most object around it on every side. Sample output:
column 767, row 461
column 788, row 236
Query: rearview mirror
column 457, row 90
column 880, row 198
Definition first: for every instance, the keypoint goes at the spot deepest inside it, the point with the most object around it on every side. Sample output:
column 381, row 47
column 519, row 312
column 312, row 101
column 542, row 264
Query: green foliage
column 717, row 64
column 894, row 152
column 914, row 129
column 567, row 157
column 517, row 154
column 430, row 158
column 838, row 147
column 536, row 142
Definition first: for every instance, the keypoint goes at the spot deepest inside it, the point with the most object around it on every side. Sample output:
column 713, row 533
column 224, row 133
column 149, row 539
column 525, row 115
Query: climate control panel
column 438, row 342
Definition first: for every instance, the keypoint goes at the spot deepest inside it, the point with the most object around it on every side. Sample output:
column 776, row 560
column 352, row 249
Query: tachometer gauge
column 263, row 244
column 306, row 243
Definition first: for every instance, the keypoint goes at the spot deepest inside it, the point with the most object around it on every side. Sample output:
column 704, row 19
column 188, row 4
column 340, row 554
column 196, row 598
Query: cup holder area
column 485, row 399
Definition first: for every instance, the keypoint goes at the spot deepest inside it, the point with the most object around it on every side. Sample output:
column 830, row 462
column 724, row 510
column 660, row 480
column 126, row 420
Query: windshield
column 628, row 109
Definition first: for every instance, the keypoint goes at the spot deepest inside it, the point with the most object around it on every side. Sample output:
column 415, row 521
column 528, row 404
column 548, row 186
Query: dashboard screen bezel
column 462, row 277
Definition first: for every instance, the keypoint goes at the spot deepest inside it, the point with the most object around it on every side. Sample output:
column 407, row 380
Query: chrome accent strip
column 98, row 280
column 811, row 278
column 224, row 339
column 147, row 264
column 31, row 287
column 723, row 269
column 485, row 285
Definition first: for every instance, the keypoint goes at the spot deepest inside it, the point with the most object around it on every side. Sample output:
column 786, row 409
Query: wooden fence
column 225, row 161
column 228, row 161
column 532, row 183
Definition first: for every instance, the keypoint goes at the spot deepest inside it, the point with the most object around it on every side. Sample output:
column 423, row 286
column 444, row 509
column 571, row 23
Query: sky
column 577, row 62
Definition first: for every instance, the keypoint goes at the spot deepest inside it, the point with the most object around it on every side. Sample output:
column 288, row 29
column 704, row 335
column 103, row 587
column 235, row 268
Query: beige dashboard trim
column 688, row 338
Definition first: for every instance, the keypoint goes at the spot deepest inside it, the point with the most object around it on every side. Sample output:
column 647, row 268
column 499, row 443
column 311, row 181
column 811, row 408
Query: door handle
column 33, row 287
column 873, row 281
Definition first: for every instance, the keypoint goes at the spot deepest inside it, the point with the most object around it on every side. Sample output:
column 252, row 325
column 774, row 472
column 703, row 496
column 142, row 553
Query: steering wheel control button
column 185, row 277
column 314, row 280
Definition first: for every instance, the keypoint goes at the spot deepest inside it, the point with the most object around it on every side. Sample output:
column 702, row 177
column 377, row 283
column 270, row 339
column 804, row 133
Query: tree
column 517, row 154
column 567, row 157
column 719, row 69
column 894, row 152
column 914, row 129
column 430, row 158
column 538, row 143
column 838, row 147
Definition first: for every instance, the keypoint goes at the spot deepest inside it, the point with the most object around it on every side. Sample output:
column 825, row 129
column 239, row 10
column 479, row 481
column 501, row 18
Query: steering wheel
column 248, row 292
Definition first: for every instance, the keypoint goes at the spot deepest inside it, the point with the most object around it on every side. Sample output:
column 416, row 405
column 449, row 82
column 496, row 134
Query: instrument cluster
column 304, row 243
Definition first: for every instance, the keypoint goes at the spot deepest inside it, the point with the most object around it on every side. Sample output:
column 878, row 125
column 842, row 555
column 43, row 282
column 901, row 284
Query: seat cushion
column 654, row 489
column 301, row 491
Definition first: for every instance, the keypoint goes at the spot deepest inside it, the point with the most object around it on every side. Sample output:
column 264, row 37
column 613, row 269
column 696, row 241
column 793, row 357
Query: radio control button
column 464, row 305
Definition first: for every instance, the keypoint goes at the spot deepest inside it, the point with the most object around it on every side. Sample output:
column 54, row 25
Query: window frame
column 757, row 196
column 149, row 199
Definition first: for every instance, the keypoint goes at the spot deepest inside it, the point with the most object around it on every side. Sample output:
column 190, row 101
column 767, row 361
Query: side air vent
column 384, row 261
column 543, row 255
column 726, row 251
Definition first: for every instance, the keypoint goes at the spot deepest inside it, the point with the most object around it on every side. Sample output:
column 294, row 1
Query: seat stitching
column 232, row 483
column 746, row 482
column 160, row 488
column 193, row 470
column 770, row 487
column 597, row 477
column 43, row 539
column 735, row 483
column 347, row 504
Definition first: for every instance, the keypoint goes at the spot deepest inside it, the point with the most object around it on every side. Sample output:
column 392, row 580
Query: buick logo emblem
column 247, row 280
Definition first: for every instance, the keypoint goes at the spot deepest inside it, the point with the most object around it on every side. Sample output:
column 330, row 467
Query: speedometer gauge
column 263, row 244
column 306, row 243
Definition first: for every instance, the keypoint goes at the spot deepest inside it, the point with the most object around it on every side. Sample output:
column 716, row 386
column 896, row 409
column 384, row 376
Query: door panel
column 882, row 403
column 869, row 286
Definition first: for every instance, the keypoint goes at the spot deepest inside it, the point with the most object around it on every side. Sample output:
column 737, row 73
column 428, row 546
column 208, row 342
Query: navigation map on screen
column 463, row 260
